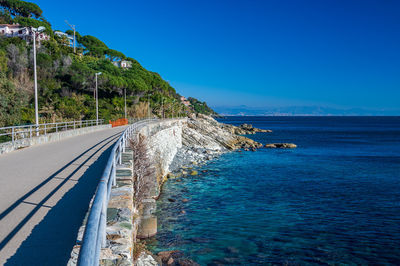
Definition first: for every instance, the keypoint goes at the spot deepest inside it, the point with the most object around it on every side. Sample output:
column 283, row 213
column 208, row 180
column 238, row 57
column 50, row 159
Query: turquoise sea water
column 333, row 200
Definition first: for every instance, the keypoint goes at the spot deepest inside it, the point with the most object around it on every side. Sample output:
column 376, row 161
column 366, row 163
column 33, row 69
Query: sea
column 334, row 200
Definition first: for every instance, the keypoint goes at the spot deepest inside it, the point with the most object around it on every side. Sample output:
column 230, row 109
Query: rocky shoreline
column 203, row 139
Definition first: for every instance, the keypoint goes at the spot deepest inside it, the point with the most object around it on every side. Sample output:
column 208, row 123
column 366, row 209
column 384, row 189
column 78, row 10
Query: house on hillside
column 68, row 38
column 25, row 33
column 123, row 64
column 185, row 101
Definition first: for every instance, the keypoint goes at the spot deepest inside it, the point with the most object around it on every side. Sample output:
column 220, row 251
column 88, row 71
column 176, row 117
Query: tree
column 17, row 59
column 201, row 107
column 5, row 17
column 114, row 55
column 93, row 46
column 11, row 103
column 21, row 8
column 3, row 62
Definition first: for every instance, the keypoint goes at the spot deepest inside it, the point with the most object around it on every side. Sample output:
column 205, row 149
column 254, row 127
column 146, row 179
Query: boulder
column 246, row 126
column 165, row 256
column 271, row 145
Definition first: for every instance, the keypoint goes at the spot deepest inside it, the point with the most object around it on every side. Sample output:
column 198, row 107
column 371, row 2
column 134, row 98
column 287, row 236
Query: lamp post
column 97, row 100
column 148, row 105
column 34, row 31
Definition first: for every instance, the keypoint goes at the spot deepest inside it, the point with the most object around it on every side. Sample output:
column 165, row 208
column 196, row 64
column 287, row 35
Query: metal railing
column 94, row 237
column 14, row 133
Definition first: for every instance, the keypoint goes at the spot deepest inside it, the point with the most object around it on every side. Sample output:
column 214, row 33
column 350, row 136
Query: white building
column 69, row 38
column 25, row 33
column 123, row 64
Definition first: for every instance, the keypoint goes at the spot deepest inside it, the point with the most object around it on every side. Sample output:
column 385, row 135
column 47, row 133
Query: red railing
column 119, row 122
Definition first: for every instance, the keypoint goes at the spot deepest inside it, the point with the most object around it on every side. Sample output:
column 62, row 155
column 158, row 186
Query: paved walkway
column 45, row 191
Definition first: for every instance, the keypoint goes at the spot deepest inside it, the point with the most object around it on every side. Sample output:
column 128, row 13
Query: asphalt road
column 45, row 191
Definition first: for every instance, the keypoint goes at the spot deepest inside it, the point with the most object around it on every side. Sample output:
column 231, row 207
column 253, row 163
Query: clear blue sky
column 258, row 53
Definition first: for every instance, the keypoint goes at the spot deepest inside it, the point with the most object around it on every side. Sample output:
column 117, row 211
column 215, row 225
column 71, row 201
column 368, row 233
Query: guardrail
column 94, row 237
column 14, row 133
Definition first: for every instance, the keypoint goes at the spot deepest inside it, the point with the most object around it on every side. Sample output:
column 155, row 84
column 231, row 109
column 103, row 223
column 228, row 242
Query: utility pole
column 97, row 100
column 34, row 31
column 73, row 28
column 35, row 81
column 125, row 102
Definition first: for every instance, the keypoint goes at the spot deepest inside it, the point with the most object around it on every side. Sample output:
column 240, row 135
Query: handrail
column 32, row 130
column 95, row 232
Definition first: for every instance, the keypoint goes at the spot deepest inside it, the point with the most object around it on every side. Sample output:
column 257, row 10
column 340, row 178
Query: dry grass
column 143, row 169
column 138, row 248
column 23, row 82
column 140, row 110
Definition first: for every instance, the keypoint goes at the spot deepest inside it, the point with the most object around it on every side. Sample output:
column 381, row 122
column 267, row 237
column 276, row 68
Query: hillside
column 201, row 107
column 66, row 80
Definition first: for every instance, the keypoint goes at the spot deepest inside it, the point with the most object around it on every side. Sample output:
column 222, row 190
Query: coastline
column 203, row 139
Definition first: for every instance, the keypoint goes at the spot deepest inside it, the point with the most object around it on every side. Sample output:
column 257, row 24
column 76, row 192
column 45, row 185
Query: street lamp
column 34, row 32
column 97, row 100
column 148, row 105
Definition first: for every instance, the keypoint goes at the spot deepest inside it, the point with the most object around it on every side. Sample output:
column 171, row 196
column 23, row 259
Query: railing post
column 45, row 129
column 120, row 152
column 114, row 173
column 56, row 128
column 103, row 219
column 12, row 136
column 74, row 124
column 30, row 132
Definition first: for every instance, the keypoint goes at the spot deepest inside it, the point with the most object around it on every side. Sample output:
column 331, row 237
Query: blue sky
column 258, row 53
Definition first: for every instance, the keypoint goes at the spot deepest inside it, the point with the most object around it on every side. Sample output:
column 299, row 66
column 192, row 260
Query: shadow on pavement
column 51, row 241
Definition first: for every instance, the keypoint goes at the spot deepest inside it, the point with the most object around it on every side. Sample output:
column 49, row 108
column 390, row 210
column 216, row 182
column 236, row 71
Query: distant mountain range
column 244, row 110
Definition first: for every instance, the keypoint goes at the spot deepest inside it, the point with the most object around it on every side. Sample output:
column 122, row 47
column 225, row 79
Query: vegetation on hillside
column 66, row 81
column 201, row 107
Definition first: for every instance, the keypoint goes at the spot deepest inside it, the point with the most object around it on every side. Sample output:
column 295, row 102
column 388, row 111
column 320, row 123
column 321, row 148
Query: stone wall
column 51, row 137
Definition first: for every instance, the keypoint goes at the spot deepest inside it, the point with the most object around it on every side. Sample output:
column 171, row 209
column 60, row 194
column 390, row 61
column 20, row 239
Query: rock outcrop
column 203, row 138
column 223, row 135
column 244, row 129
column 281, row 145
